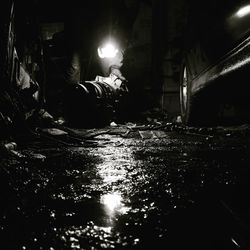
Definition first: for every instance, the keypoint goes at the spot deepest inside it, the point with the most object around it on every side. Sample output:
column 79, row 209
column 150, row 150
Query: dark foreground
column 128, row 188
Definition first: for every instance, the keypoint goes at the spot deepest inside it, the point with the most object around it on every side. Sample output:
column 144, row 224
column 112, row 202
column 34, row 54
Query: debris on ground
column 113, row 124
column 123, row 184
column 54, row 131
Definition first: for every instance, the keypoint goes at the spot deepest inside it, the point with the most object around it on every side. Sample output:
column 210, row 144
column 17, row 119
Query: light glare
column 111, row 201
column 108, row 51
column 243, row 11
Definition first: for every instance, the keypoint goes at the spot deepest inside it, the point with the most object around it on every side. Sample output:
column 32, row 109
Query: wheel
column 199, row 110
column 184, row 94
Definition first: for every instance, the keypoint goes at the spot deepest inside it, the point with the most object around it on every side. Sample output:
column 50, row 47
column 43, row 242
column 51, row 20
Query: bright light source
column 243, row 11
column 111, row 201
column 108, row 51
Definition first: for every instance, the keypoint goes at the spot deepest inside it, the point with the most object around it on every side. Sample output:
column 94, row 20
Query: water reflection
column 113, row 167
column 113, row 206
column 112, row 170
column 111, row 201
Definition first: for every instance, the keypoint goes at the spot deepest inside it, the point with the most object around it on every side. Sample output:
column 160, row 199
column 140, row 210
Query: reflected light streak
column 113, row 170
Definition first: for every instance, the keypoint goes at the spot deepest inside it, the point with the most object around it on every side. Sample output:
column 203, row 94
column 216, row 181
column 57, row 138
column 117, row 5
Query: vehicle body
column 216, row 60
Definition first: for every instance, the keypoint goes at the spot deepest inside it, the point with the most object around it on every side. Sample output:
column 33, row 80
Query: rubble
column 156, row 181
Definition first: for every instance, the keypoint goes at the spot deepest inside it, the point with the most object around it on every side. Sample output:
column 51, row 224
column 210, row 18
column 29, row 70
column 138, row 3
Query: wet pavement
column 128, row 187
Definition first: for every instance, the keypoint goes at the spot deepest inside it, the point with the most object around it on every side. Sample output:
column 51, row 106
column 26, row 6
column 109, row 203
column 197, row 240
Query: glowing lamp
column 243, row 11
column 107, row 51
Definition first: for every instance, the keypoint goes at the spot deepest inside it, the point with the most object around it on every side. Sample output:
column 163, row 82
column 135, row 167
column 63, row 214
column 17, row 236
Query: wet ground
column 128, row 187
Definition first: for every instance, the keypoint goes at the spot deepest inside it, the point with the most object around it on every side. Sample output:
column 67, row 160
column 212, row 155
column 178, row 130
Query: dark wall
column 169, row 27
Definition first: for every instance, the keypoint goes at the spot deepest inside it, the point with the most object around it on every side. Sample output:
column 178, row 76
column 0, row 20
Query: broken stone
column 17, row 154
column 146, row 134
column 178, row 119
column 10, row 146
column 54, row 131
column 160, row 134
column 113, row 124
column 36, row 156
column 60, row 121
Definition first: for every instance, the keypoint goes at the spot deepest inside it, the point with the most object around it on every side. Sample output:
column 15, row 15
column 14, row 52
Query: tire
column 199, row 110
column 185, row 95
